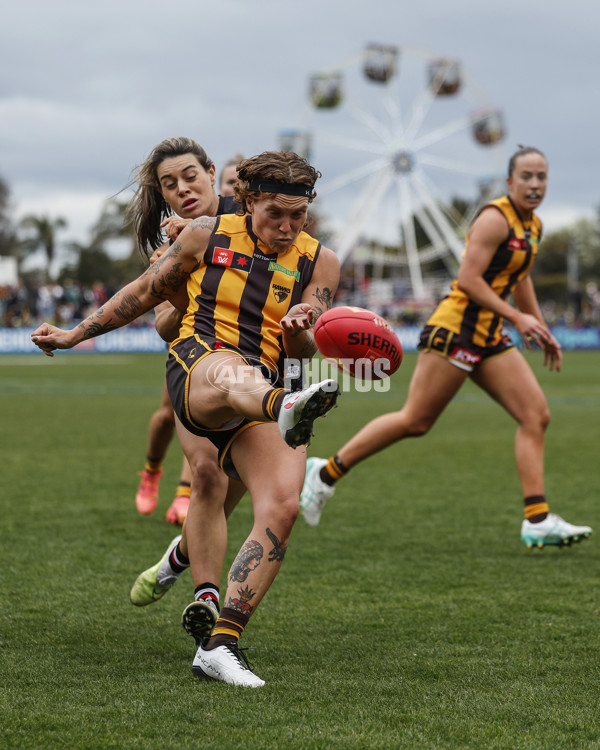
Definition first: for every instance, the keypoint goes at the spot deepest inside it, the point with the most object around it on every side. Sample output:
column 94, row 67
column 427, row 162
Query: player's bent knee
column 166, row 418
column 537, row 418
column 207, row 475
column 419, row 427
column 279, row 512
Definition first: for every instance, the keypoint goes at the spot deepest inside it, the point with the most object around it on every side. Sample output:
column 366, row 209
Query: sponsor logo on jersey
column 223, row 256
column 518, row 244
column 280, row 293
column 287, row 271
column 464, row 355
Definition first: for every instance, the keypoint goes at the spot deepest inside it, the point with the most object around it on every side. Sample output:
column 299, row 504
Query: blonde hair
column 275, row 166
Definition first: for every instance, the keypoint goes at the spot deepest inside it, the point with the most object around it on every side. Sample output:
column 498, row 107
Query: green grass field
column 412, row 617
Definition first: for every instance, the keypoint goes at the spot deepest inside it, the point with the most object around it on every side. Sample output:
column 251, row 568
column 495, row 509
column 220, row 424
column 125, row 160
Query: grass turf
column 412, row 617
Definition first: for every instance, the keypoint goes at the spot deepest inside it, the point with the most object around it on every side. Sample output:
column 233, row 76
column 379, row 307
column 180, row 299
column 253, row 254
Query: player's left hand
column 552, row 354
column 298, row 318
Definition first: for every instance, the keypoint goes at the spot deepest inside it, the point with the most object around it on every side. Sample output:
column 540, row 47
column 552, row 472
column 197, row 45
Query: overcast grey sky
column 87, row 89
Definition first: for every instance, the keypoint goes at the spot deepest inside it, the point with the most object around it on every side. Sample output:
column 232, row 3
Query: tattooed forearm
column 129, row 308
column 165, row 284
column 279, row 548
column 91, row 329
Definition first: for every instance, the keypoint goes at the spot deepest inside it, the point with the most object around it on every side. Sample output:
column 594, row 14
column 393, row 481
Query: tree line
column 87, row 263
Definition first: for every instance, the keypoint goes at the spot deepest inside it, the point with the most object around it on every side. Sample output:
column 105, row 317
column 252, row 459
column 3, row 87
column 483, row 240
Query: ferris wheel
column 401, row 137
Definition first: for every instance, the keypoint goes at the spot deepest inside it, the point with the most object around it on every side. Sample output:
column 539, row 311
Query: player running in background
column 225, row 371
column 177, row 178
column 464, row 339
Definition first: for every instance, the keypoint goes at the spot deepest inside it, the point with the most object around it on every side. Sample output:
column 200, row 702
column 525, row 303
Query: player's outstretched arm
column 158, row 283
column 297, row 325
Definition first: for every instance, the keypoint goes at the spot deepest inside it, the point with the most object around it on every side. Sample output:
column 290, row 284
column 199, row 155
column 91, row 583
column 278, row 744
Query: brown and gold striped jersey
column 242, row 290
column 510, row 264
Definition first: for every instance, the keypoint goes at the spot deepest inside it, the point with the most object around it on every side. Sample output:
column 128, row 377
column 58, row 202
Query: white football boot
column 315, row 493
column 552, row 530
column 225, row 663
column 299, row 410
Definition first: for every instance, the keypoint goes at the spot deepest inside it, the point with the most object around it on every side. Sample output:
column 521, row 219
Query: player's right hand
column 48, row 338
column 174, row 225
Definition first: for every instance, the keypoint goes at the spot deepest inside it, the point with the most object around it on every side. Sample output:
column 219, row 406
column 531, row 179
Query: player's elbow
column 463, row 282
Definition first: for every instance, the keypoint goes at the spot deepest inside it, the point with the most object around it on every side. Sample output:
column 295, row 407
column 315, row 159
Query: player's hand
column 298, row 318
column 533, row 330
column 48, row 338
column 174, row 225
column 553, row 355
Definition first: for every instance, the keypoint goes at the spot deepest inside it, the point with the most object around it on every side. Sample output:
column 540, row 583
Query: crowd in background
column 60, row 304
column 63, row 304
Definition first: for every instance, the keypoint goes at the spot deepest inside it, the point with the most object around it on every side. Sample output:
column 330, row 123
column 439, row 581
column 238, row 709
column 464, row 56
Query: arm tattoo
column 166, row 282
column 92, row 329
column 204, row 222
column 325, row 299
column 248, row 558
column 129, row 308
column 241, row 603
column 95, row 329
column 279, row 549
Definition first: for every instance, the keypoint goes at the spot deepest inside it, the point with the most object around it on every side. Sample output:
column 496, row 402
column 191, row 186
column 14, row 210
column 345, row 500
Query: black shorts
column 460, row 352
column 183, row 357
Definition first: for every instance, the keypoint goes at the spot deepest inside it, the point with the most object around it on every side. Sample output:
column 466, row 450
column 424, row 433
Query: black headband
column 286, row 188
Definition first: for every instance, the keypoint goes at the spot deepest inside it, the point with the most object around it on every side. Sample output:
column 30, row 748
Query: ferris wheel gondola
column 397, row 134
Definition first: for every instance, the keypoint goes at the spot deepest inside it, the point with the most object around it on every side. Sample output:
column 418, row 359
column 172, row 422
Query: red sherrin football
column 359, row 341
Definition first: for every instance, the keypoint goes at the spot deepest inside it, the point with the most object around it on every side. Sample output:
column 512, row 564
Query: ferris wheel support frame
column 375, row 188
column 410, row 240
column 455, row 245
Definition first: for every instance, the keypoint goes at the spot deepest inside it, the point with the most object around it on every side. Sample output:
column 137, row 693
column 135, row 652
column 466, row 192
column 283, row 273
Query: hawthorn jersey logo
column 287, row 271
column 280, row 293
column 223, row 256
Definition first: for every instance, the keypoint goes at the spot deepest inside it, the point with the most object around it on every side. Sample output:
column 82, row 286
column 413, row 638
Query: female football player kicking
column 226, row 369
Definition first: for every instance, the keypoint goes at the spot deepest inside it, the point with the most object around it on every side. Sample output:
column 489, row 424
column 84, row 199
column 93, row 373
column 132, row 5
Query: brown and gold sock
column 153, row 465
column 271, row 404
column 333, row 470
column 536, row 508
column 229, row 627
column 183, row 489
